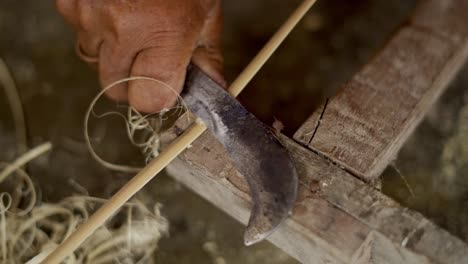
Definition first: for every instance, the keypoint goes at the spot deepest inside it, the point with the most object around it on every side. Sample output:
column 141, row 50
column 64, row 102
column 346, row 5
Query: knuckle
column 119, row 17
column 171, row 43
column 85, row 17
column 185, row 18
column 116, row 11
column 164, row 39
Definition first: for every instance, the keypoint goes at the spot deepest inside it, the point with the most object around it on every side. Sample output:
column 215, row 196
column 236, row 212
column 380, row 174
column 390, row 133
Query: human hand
column 153, row 38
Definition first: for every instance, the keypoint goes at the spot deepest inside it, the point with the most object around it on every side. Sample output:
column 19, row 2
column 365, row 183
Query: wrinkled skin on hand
column 153, row 38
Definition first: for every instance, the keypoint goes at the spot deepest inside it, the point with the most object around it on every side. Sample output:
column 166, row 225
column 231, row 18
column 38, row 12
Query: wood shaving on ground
column 278, row 126
column 30, row 230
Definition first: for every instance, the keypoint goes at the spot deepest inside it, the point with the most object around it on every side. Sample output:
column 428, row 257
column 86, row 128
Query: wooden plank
column 366, row 123
column 334, row 215
column 447, row 19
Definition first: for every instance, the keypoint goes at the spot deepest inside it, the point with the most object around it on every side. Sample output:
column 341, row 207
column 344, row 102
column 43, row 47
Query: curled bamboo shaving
column 23, row 159
column 6, row 80
column 28, row 235
column 29, row 231
column 143, row 131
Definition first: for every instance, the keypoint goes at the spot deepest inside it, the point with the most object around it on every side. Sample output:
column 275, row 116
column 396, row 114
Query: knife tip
column 253, row 235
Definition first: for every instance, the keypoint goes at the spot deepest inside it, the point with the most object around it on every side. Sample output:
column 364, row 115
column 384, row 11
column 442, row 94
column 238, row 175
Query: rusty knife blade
column 256, row 152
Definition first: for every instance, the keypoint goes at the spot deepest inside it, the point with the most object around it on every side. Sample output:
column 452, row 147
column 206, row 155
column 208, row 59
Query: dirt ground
column 333, row 41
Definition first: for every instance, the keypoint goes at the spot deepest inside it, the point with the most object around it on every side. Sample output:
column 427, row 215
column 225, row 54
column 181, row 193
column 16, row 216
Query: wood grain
column 366, row 123
column 337, row 217
column 335, row 213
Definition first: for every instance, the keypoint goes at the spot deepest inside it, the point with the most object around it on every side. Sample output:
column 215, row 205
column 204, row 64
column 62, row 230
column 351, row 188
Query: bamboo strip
column 175, row 148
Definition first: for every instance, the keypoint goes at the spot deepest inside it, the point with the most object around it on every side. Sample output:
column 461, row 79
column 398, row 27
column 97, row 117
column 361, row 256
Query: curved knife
column 256, row 152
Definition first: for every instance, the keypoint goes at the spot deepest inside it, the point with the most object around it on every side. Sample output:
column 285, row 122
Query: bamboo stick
column 175, row 148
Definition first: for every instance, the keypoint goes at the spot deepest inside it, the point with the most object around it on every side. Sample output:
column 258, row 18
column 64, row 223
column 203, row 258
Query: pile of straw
column 30, row 230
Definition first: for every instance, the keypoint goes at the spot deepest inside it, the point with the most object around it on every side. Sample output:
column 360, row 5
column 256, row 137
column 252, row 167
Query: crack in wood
column 319, row 120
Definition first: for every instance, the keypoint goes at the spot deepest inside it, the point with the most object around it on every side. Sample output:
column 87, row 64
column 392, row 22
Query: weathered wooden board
column 335, row 218
column 365, row 124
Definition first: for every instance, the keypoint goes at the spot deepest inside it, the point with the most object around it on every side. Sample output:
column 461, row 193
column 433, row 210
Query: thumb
column 211, row 62
column 208, row 55
column 168, row 60
column 167, row 63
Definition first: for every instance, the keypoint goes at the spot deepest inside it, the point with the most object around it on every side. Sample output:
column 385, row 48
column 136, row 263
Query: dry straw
column 15, row 104
column 137, row 124
column 29, row 231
